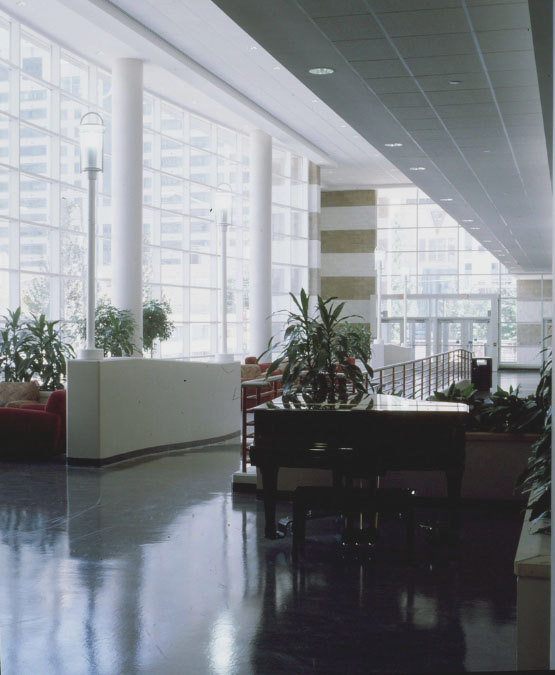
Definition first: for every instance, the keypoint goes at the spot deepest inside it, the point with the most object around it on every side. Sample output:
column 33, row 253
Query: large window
column 423, row 245
column 44, row 91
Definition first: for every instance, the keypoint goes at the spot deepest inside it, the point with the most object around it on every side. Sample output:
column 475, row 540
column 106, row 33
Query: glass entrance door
column 419, row 337
column 471, row 334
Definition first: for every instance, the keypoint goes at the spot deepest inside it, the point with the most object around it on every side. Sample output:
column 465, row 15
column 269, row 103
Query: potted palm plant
column 318, row 353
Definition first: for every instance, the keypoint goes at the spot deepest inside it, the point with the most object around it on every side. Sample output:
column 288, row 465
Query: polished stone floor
column 154, row 567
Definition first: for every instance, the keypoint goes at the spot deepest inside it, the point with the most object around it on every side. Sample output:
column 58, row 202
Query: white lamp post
column 91, row 136
column 223, row 205
column 379, row 256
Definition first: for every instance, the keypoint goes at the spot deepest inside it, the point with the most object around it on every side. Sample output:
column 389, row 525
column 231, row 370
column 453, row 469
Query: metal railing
column 411, row 379
column 420, row 378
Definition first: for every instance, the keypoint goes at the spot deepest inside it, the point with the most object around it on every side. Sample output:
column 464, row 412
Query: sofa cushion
column 251, row 371
column 18, row 391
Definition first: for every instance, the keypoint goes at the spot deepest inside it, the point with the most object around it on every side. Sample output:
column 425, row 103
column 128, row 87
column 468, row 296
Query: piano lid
column 370, row 402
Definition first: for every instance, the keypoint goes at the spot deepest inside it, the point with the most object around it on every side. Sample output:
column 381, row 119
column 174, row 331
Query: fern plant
column 319, row 351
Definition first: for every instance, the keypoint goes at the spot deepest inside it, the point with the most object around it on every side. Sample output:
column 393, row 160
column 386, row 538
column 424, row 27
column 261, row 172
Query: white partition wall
column 122, row 408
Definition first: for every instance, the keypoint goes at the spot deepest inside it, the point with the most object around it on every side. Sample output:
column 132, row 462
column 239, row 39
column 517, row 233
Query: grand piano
column 378, row 433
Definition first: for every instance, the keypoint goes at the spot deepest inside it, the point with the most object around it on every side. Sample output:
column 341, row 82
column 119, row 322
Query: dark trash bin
column 481, row 373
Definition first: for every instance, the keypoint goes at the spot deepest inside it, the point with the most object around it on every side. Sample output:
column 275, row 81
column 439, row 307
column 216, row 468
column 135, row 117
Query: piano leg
column 269, row 487
column 454, row 486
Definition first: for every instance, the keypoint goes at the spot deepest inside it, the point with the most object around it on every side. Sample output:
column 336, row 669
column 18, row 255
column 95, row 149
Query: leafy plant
column 468, row 396
column 47, row 352
column 33, row 348
column 536, row 478
column 360, row 338
column 114, row 330
column 319, row 353
column 510, row 413
column 156, row 322
column 14, row 340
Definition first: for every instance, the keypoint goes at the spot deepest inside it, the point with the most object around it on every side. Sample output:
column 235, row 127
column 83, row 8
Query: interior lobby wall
column 348, row 240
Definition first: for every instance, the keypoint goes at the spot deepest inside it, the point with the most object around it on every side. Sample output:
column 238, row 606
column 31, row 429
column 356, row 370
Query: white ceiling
column 481, row 142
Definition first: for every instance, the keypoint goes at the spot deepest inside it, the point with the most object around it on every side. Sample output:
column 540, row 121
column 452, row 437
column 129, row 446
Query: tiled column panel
column 533, row 303
column 348, row 240
column 314, row 248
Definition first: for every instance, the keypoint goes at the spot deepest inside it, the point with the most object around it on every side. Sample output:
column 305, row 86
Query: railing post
column 404, row 380
column 430, row 377
column 422, row 378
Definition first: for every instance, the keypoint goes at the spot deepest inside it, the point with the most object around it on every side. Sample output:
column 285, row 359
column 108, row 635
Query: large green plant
column 47, row 352
column 319, row 351
column 536, row 478
column 156, row 323
column 33, row 348
column 114, row 330
column 14, row 340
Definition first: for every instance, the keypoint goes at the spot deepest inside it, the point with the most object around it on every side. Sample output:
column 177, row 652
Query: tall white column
column 127, row 190
column 260, row 284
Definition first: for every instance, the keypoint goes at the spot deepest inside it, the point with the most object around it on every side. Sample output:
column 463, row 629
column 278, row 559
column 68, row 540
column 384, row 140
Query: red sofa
column 34, row 430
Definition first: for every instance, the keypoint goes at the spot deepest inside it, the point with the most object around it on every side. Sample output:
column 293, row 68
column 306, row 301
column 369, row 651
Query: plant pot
column 493, row 463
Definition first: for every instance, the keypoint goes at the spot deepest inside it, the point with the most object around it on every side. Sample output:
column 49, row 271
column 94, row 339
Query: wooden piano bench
column 348, row 501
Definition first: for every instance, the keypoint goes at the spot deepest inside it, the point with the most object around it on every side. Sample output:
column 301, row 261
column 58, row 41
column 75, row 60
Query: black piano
column 377, row 434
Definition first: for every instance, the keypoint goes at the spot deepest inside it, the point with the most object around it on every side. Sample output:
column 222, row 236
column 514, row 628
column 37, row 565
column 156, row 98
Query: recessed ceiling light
column 417, row 168
column 446, row 199
column 486, row 151
column 277, row 67
column 321, row 71
column 314, row 100
column 454, row 82
column 343, row 126
column 393, row 145
column 467, row 220
column 253, row 48
column 486, row 241
column 474, row 228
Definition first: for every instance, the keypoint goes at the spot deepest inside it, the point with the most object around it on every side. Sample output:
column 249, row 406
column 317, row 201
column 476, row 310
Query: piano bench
column 348, row 501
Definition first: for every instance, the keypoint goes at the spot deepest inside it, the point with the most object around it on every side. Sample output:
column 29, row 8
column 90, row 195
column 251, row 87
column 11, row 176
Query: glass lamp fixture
column 321, row 71
column 91, row 139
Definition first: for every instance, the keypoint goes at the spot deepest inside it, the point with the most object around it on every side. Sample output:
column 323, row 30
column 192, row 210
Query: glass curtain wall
column 289, row 231
column 44, row 91
column 423, row 244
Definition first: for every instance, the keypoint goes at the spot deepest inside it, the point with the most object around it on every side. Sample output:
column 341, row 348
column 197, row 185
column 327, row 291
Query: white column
column 127, row 190
column 260, row 284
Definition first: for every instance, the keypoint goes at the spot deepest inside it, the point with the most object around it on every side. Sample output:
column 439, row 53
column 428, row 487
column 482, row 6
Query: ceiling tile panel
column 382, row 6
column 357, row 27
column 441, row 45
column 529, row 94
column 504, row 40
column 319, row 8
column 467, row 81
column 425, row 22
column 362, row 50
column 516, row 60
column 380, row 68
column 460, row 97
column 466, row 111
column 520, row 107
column 445, row 65
column 490, row 17
column 413, row 113
column 514, row 78
column 422, row 123
column 392, row 85
column 403, row 99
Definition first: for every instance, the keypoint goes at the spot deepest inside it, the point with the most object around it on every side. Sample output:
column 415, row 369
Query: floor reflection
column 154, row 567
